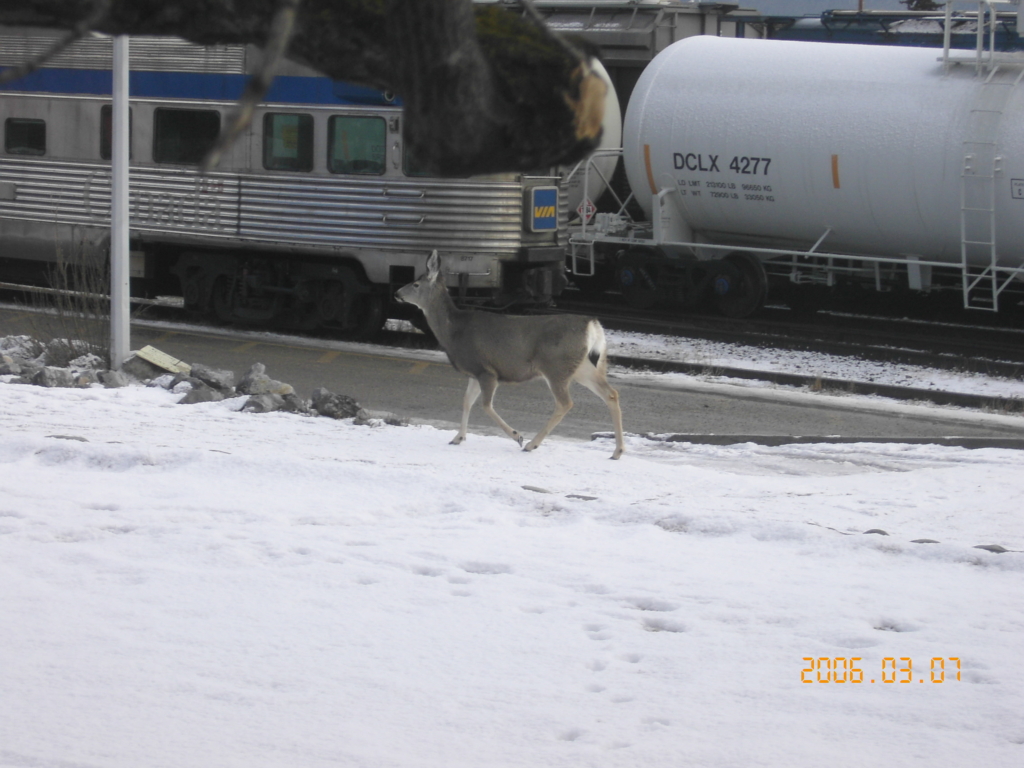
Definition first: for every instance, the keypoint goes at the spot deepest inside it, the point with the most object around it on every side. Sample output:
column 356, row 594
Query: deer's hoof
column 518, row 438
column 457, row 440
column 530, row 446
column 617, row 455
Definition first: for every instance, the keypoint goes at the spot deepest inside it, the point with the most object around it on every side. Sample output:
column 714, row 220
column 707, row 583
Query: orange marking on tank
column 650, row 173
column 835, row 171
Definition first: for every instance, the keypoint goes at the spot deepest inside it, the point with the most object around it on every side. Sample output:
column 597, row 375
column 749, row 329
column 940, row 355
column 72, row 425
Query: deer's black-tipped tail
column 596, row 344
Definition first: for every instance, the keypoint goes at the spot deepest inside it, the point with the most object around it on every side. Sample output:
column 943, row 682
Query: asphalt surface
column 425, row 389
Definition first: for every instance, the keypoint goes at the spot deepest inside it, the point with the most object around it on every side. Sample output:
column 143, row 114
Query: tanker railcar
column 313, row 217
column 813, row 166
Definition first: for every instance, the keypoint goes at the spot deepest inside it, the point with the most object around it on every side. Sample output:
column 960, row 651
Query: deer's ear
column 433, row 266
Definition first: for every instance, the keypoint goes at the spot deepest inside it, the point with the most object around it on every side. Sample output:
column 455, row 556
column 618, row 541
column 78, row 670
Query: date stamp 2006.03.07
column 840, row 669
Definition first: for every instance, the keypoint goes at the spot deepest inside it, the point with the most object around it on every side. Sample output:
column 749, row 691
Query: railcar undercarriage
column 281, row 292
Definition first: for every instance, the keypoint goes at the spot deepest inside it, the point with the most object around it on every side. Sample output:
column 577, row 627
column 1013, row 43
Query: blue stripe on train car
column 200, row 86
column 543, row 207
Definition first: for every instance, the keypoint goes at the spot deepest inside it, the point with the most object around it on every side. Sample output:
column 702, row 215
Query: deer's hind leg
column 563, row 404
column 472, row 393
column 489, row 385
column 593, row 378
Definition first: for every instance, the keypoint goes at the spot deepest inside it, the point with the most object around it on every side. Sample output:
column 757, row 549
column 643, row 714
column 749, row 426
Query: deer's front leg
column 472, row 393
column 489, row 384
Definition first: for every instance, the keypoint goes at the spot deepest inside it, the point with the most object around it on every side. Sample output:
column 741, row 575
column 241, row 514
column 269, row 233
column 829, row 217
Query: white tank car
column 880, row 152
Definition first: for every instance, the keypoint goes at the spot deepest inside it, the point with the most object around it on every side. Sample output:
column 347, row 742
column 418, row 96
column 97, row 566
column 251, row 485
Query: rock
column 180, row 383
column 878, row 531
column 9, row 366
column 60, row 352
column 326, row 403
column 256, row 382
column 141, row 369
column 201, row 394
column 221, row 380
column 264, row 403
column 86, row 379
column 295, row 404
column 164, row 381
column 29, row 369
column 113, row 379
column 53, row 377
column 88, row 360
column 365, row 416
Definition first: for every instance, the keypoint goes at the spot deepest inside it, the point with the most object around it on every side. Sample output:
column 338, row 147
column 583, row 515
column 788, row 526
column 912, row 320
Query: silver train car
column 313, row 217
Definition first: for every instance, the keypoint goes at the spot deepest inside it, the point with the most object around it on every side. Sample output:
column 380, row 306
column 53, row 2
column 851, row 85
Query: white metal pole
column 119, row 259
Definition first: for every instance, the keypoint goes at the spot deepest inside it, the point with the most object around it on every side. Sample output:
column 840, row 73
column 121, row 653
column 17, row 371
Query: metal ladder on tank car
column 982, row 161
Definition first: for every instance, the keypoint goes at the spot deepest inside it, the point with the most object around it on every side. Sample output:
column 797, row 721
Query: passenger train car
column 312, row 218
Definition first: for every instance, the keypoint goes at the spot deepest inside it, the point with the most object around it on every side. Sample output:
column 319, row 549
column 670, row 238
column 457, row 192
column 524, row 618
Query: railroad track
column 947, row 346
column 993, row 351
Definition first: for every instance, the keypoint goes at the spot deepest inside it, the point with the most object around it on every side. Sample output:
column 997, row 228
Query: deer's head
column 426, row 285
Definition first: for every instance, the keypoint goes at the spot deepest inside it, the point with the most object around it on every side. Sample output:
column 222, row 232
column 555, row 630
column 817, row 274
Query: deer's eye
column 415, row 285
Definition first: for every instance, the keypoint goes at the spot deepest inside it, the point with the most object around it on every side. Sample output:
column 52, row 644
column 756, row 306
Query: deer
column 495, row 349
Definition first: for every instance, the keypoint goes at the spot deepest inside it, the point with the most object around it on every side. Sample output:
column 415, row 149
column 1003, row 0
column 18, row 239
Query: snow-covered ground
column 196, row 586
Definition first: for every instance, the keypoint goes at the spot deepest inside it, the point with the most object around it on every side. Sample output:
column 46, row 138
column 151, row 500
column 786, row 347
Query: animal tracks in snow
column 616, row 674
column 652, row 604
column 486, row 569
column 658, row 624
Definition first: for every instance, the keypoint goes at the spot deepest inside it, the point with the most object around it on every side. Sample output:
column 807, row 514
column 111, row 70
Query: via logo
column 542, row 203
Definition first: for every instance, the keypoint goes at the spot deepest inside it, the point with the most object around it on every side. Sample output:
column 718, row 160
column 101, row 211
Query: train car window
column 184, row 136
column 356, row 145
column 24, row 137
column 106, row 131
column 288, row 142
column 409, row 165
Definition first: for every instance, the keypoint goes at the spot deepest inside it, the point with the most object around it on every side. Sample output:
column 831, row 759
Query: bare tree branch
column 82, row 28
column 484, row 89
column 281, row 30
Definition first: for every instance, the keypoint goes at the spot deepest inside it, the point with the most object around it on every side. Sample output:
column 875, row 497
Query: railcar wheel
column 637, row 277
column 223, row 309
column 349, row 306
column 741, row 286
column 366, row 316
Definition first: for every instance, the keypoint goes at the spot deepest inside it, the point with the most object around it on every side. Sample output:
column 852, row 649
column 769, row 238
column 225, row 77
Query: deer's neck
column 442, row 317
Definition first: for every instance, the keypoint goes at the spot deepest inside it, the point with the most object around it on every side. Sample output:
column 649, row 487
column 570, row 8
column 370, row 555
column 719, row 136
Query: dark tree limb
column 78, row 31
column 281, row 29
column 485, row 90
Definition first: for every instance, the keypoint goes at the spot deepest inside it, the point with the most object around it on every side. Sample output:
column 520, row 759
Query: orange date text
column 842, row 669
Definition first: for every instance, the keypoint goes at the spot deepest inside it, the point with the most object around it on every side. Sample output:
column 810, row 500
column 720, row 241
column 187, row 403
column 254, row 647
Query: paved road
column 430, row 391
